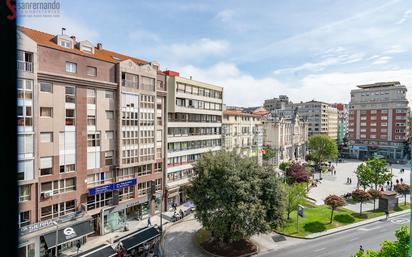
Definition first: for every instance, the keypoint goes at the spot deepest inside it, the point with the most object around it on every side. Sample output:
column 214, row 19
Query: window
column 384, row 118
column 70, row 119
column 109, row 135
column 24, row 89
column 87, row 49
column 91, row 96
column 91, row 117
column 91, row 71
column 46, row 166
column 24, row 219
column 46, row 87
column 70, row 94
column 109, row 94
column 109, row 115
column 67, row 150
column 93, row 140
column 46, row 137
column 71, row 67
column 46, row 112
column 24, row 193
column 66, row 44
column 25, row 145
column 57, row 210
column 108, row 158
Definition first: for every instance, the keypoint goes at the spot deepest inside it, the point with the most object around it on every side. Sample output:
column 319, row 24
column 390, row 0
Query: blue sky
column 256, row 50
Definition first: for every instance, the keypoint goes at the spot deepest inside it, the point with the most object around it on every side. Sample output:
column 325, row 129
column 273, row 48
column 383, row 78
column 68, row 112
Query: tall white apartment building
column 243, row 133
column 194, row 128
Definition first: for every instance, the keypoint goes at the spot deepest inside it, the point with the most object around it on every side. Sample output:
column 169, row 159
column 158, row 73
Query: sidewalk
column 354, row 225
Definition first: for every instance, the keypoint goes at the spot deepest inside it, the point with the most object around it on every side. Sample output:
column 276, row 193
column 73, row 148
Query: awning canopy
column 101, row 251
column 67, row 234
column 139, row 238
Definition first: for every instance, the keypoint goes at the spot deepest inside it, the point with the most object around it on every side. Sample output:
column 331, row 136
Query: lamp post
column 57, row 237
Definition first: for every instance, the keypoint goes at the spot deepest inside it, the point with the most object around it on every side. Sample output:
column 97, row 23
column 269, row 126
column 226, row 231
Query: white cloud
column 395, row 49
column 243, row 89
column 198, row 49
column 405, row 17
column 382, row 60
column 53, row 25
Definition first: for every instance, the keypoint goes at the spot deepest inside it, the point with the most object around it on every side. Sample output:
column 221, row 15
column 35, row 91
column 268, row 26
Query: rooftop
column 380, row 84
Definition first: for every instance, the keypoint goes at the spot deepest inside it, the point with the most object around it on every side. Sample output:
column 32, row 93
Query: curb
column 354, row 225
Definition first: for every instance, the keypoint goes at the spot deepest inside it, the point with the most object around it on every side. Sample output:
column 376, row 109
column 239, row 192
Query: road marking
column 399, row 221
column 320, row 249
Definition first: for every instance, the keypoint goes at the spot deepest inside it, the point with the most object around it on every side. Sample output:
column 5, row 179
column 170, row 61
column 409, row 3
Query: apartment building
column 194, row 128
column 321, row 117
column 378, row 120
column 287, row 137
column 91, row 139
column 280, row 107
column 343, row 115
column 243, row 133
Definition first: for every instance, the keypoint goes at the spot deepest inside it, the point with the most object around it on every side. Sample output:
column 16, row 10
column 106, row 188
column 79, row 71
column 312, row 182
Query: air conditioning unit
column 48, row 194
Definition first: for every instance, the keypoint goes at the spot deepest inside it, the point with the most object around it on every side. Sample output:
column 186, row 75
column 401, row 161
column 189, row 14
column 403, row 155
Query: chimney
column 74, row 38
column 99, row 46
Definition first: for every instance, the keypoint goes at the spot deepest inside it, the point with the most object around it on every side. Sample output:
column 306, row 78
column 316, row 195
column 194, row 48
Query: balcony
column 130, row 83
column 25, row 66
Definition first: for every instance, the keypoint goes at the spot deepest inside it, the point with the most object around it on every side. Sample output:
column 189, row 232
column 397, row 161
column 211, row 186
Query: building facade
column 194, row 128
column 378, row 121
column 243, row 133
column 343, row 115
column 321, row 117
column 91, row 139
column 287, row 137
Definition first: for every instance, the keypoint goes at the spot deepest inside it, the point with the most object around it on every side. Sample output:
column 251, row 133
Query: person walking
column 361, row 249
column 387, row 214
column 397, row 181
column 78, row 246
column 181, row 213
column 350, row 181
column 391, row 185
column 149, row 222
column 401, row 180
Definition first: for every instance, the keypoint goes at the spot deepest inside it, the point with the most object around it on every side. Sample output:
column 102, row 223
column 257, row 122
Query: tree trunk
column 331, row 216
column 289, row 215
column 374, row 201
column 360, row 213
column 405, row 199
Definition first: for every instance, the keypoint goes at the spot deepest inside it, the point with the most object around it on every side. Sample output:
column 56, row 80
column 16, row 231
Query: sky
column 256, row 50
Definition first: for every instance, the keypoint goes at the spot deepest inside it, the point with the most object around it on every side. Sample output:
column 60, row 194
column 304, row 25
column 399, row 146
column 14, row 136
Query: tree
column 322, row 148
column 373, row 173
column 398, row 248
column 360, row 196
column 236, row 198
column 267, row 153
column 334, row 202
column 285, row 165
column 402, row 189
column 297, row 173
column 375, row 194
column 295, row 195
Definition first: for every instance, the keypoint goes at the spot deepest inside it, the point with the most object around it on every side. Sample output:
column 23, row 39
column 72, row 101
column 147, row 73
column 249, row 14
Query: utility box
column 388, row 201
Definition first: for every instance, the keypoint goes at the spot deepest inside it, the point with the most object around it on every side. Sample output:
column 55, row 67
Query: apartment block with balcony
column 91, row 144
column 194, row 128
column 243, row 133
column 378, row 121
column 322, row 118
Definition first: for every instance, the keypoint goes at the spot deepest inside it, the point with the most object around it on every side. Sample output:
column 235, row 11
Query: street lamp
column 57, row 236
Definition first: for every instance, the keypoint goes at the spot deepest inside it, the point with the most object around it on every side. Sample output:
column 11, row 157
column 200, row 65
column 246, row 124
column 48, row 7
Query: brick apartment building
column 378, row 120
column 91, row 133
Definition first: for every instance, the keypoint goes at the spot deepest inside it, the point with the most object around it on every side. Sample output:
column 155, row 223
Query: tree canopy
column 373, row 172
column 334, row 202
column 360, row 196
column 375, row 194
column 236, row 198
column 397, row 248
column 297, row 173
column 402, row 189
column 295, row 195
column 322, row 148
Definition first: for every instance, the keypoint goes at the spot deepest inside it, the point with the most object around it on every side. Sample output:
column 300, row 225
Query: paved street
column 336, row 184
column 346, row 243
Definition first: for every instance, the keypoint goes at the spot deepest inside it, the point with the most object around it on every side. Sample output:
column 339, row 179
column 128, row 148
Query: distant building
column 343, row 114
column 378, row 120
column 243, row 133
column 322, row 118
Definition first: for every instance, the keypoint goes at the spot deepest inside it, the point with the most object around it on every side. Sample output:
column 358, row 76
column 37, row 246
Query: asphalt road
column 345, row 243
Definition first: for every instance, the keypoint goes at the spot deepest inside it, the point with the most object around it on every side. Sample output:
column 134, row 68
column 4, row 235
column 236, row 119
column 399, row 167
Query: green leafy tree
column 402, row 189
column 295, row 195
column 268, row 153
column 397, row 248
column 360, row 196
column 322, row 148
column 373, row 172
column 334, row 202
column 285, row 165
column 375, row 194
column 236, row 198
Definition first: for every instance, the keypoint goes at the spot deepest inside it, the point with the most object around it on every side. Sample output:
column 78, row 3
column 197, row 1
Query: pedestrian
column 381, row 188
column 401, row 180
column 387, row 214
column 397, row 181
column 334, row 171
column 149, row 222
column 78, row 246
column 350, row 181
column 181, row 214
column 361, row 249
column 347, row 180
column 391, row 185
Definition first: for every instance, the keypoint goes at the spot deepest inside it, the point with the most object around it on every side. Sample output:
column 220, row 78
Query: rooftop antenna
column 63, row 29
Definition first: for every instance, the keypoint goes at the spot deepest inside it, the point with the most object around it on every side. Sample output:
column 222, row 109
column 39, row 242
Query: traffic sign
column 301, row 210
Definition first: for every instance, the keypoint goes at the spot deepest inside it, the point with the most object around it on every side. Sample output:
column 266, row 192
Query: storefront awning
column 102, row 251
column 67, row 234
column 139, row 238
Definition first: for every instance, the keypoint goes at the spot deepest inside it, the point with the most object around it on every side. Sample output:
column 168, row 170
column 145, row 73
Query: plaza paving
column 336, row 184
